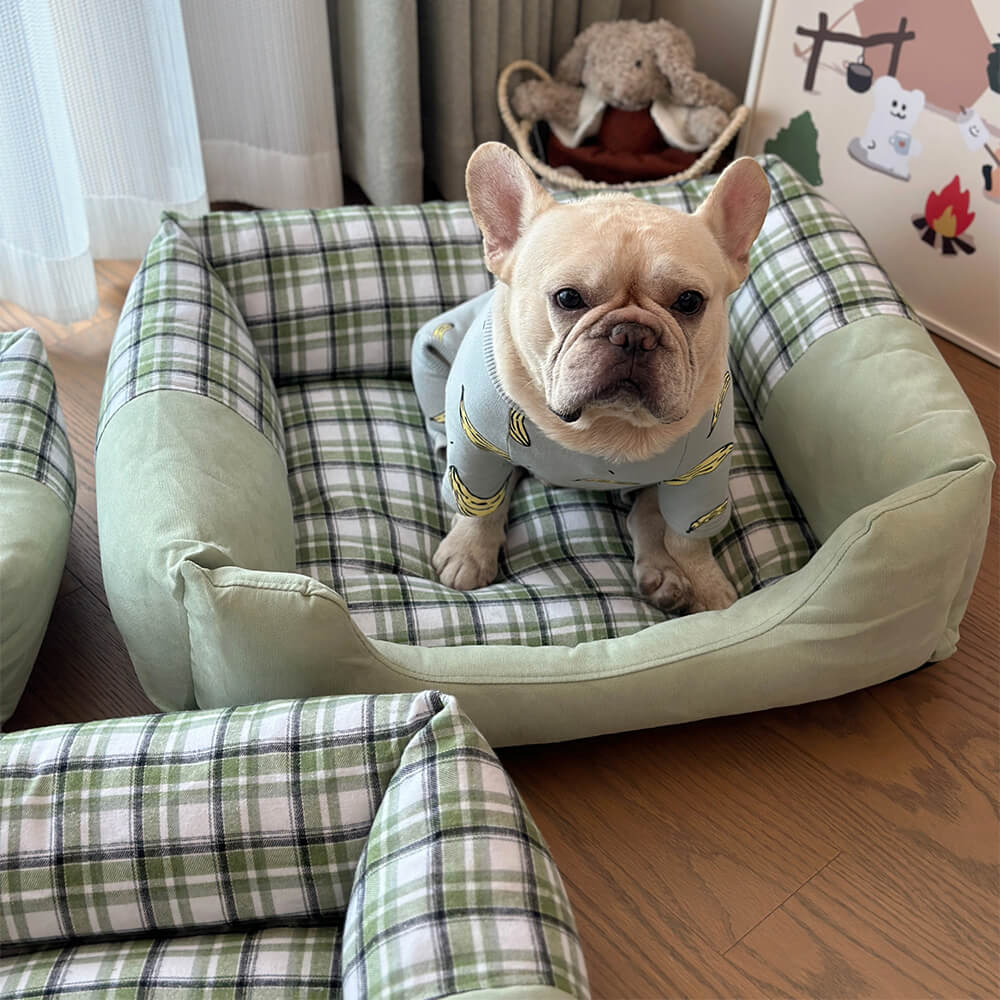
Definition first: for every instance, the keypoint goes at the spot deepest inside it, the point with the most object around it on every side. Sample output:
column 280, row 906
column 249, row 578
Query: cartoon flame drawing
column 946, row 214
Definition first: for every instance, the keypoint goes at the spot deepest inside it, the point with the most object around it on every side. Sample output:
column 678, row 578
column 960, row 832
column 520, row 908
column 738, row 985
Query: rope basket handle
column 521, row 130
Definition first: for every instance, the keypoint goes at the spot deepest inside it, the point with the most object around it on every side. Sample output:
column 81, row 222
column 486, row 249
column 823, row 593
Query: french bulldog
column 597, row 361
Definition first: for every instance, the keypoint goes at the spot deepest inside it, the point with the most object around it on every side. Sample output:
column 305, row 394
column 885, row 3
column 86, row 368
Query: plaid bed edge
column 456, row 890
column 241, row 818
column 179, row 329
column 33, row 440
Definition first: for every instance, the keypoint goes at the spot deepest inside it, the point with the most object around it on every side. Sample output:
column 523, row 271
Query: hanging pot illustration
column 859, row 74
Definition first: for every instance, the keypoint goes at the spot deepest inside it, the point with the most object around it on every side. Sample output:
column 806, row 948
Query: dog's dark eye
column 638, row 63
column 688, row 303
column 569, row 298
column 894, row 103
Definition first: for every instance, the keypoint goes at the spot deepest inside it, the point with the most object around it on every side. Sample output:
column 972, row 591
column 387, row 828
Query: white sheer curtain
column 97, row 135
column 113, row 110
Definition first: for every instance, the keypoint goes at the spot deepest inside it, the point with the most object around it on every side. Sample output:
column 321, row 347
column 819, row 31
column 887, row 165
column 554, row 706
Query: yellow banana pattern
column 726, row 382
column 473, row 435
column 438, row 418
column 468, row 503
column 441, row 329
column 704, row 467
column 710, row 516
column 517, row 430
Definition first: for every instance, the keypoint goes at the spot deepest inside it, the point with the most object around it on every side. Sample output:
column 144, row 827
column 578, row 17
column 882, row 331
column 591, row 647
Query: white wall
column 722, row 32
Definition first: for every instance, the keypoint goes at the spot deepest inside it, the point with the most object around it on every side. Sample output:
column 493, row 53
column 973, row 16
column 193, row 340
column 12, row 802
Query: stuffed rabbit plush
column 629, row 65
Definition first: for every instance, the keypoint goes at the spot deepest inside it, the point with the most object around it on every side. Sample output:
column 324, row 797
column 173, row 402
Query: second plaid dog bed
column 356, row 847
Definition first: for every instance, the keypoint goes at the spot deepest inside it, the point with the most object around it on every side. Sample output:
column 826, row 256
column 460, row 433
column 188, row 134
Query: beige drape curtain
column 416, row 79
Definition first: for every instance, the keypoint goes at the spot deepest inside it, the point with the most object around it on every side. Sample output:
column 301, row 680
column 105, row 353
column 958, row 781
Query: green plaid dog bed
column 356, row 847
column 264, row 479
column 37, row 492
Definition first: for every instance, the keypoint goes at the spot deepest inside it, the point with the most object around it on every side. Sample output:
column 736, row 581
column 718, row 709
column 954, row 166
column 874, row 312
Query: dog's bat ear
column 734, row 212
column 504, row 197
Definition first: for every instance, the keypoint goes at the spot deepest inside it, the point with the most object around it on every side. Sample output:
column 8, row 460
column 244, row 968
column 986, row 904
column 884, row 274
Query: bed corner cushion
column 37, row 493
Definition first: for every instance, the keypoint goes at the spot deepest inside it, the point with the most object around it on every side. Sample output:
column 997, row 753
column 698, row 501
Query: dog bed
column 268, row 503
column 357, row 847
column 37, row 492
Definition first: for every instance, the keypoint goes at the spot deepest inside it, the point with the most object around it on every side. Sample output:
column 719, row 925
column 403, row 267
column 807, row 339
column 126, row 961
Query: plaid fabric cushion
column 285, row 813
column 180, row 329
column 340, row 294
column 368, row 516
column 811, row 272
column 33, row 440
column 272, row 963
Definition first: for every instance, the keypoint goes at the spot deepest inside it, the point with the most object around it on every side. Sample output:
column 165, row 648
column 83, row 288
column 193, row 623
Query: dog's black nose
column 634, row 337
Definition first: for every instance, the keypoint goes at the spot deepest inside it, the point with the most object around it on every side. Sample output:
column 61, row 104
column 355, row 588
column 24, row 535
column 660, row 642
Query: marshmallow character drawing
column 888, row 142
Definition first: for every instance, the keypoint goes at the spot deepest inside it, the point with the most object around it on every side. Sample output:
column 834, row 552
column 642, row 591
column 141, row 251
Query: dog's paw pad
column 664, row 588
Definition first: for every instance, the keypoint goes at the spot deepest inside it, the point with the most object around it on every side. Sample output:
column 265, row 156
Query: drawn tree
column 796, row 144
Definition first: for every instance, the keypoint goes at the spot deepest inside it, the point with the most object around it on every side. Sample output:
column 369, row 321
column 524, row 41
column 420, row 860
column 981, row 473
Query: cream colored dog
column 632, row 367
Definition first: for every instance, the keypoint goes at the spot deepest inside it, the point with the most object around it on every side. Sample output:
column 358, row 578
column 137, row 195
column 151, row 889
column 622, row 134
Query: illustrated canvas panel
column 891, row 108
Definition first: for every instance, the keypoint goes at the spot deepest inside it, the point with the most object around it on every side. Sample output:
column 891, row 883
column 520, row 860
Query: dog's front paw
column 662, row 583
column 465, row 563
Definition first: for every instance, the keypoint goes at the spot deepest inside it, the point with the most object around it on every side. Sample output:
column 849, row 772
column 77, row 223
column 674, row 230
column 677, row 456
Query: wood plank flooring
column 847, row 848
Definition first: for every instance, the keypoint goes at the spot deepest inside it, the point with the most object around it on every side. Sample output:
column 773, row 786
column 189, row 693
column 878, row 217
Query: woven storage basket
column 521, row 131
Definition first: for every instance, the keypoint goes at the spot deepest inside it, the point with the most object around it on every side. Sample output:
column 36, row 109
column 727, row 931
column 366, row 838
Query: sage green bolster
column 182, row 478
column 869, row 410
column 862, row 611
column 34, row 536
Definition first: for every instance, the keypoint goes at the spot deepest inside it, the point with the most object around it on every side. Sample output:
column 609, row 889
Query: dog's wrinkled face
column 616, row 307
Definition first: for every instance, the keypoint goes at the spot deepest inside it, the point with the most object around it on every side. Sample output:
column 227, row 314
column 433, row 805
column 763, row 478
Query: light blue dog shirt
column 484, row 434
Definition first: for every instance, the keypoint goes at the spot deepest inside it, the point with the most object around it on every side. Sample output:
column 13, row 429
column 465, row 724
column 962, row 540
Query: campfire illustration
column 946, row 214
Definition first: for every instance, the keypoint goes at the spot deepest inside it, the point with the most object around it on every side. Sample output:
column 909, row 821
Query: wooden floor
column 841, row 849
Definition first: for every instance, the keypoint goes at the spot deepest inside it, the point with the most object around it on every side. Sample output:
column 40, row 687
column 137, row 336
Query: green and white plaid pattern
column 318, row 294
column 388, row 817
column 180, row 329
column 33, row 440
column 368, row 517
column 811, row 272
column 273, row 963
column 455, row 888
column 340, row 293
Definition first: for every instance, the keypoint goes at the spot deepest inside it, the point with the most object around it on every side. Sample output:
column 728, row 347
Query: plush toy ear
column 734, row 211
column 570, row 68
column 672, row 47
column 674, row 54
column 504, row 197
